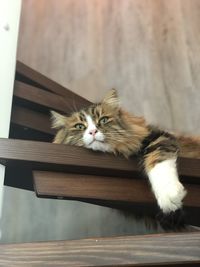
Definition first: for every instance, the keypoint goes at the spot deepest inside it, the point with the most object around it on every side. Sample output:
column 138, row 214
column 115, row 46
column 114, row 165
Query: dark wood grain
column 32, row 119
column 91, row 187
column 43, row 98
column 32, row 77
column 189, row 166
column 149, row 250
column 47, row 156
column 76, row 186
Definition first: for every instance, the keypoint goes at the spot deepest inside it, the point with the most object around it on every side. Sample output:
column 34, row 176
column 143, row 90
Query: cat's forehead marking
column 92, row 109
column 90, row 122
column 82, row 116
column 95, row 111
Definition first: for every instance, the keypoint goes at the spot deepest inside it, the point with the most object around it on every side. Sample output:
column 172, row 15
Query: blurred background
column 149, row 50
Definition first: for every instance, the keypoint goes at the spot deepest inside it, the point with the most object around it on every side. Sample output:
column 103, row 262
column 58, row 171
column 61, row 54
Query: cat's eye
column 80, row 126
column 103, row 120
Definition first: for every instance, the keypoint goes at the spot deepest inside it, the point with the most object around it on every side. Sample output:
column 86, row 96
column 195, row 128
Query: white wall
column 9, row 24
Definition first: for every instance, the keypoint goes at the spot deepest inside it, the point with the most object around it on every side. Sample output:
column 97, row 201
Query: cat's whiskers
column 125, row 134
column 121, row 130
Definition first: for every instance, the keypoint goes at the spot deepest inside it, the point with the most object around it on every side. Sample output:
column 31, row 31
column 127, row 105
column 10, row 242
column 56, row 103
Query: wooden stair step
column 48, row 100
column 34, row 96
column 47, row 156
column 30, row 76
column 32, row 119
column 148, row 250
column 85, row 187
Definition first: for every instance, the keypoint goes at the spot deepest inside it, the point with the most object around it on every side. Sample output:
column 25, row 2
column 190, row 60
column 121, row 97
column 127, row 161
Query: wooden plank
column 189, row 166
column 47, row 156
column 32, row 77
column 76, row 186
column 41, row 97
column 148, row 250
column 32, row 119
column 24, row 133
column 79, row 186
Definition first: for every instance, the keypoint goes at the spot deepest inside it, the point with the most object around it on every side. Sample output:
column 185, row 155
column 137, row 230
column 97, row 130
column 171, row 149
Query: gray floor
column 148, row 50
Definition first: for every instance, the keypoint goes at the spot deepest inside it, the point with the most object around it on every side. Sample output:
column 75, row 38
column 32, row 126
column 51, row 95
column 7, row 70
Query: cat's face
column 98, row 127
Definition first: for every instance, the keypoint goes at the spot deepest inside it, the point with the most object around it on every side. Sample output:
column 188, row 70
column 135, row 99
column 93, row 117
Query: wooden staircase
column 67, row 172
column 149, row 250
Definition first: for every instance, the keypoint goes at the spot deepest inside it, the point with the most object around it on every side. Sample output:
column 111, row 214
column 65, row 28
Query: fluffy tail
column 189, row 146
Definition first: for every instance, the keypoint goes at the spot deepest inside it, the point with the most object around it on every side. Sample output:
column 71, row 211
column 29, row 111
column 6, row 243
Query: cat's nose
column 93, row 132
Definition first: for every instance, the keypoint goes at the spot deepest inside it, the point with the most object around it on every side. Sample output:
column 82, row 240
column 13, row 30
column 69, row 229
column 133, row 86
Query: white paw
column 170, row 198
column 168, row 191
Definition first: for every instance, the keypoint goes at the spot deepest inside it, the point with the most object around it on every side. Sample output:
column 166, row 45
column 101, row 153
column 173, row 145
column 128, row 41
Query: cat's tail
column 189, row 146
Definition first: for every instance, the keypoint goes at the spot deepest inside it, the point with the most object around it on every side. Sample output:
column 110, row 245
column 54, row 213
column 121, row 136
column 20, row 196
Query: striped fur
column 122, row 133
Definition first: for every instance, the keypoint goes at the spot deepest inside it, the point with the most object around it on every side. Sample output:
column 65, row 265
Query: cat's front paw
column 168, row 190
column 170, row 198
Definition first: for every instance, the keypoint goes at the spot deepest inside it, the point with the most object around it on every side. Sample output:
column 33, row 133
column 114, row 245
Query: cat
column 106, row 127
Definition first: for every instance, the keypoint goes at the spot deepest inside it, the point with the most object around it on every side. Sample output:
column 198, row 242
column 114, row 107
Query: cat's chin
column 99, row 146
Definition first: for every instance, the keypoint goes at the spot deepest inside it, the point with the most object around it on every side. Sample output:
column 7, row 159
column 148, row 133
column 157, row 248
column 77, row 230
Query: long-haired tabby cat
column 105, row 126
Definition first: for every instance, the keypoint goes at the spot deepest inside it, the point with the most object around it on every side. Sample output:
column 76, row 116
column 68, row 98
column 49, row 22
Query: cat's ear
column 58, row 120
column 111, row 99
